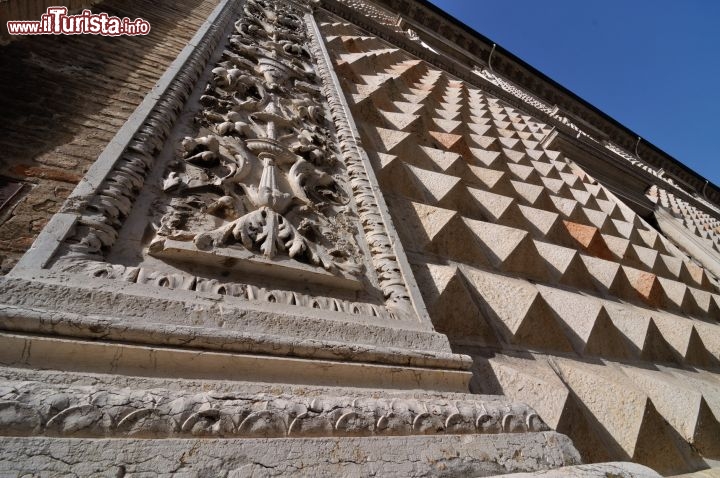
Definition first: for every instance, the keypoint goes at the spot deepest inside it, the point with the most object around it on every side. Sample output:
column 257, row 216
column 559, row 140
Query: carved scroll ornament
column 262, row 173
column 33, row 408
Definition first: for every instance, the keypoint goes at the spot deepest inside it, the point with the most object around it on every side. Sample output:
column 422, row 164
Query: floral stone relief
column 262, row 174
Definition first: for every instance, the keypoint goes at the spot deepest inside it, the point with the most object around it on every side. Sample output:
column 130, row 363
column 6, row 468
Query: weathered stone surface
column 482, row 455
column 205, row 321
column 90, row 411
column 603, row 470
column 319, row 231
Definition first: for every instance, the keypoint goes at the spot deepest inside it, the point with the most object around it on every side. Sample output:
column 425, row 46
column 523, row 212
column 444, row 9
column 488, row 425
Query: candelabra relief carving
column 262, row 172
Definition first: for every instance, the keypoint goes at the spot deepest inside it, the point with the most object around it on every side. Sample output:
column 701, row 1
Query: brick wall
column 64, row 97
column 32, row 9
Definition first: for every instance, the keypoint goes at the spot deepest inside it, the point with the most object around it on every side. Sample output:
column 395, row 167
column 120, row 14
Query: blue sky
column 653, row 65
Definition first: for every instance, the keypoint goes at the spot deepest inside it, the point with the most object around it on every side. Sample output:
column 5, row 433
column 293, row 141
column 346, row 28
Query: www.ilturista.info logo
column 56, row 21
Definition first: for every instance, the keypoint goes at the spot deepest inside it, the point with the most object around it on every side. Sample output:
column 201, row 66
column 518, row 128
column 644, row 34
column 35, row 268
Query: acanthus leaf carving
column 262, row 173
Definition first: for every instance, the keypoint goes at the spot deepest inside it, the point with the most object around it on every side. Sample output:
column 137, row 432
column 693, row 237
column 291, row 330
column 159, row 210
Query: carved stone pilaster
column 259, row 189
column 385, row 261
column 103, row 202
column 262, row 173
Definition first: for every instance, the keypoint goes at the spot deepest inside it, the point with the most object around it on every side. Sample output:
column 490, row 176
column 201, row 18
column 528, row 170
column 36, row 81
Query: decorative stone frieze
column 33, row 408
